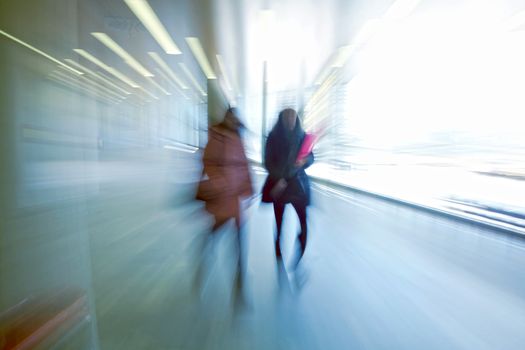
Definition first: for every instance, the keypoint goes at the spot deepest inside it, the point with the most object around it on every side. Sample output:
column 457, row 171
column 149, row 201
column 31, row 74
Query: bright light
column 151, row 80
column 266, row 27
column 70, row 82
column 418, row 79
column 343, row 54
column 200, row 56
column 400, row 9
column 169, row 81
column 84, row 78
column 107, row 68
column 164, row 66
column 97, row 75
column 192, row 78
column 223, row 71
column 113, row 46
column 149, row 93
column 40, row 52
column 147, row 16
column 370, row 28
column 515, row 21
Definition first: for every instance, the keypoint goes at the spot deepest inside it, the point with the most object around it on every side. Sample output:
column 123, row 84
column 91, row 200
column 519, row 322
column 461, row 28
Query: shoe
column 282, row 276
column 278, row 254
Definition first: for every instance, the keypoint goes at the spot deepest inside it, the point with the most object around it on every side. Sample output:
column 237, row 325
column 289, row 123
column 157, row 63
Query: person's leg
column 238, row 296
column 278, row 210
column 218, row 223
column 205, row 250
column 301, row 213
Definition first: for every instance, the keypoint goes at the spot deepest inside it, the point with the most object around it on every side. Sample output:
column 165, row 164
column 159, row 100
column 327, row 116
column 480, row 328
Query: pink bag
column 306, row 146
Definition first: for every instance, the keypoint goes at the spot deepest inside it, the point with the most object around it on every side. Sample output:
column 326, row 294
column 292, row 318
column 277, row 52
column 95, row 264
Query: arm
column 247, row 189
column 269, row 158
column 247, row 186
column 305, row 162
column 309, row 160
column 212, row 160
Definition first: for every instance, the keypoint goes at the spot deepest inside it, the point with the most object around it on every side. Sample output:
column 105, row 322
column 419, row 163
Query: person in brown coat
column 226, row 179
column 226, row 169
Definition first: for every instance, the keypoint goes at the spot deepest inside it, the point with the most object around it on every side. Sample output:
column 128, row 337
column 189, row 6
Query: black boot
column 302, row 241
column 278, row 250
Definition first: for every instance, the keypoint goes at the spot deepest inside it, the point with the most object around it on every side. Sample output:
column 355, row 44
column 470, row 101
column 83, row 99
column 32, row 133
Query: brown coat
column 226, row 166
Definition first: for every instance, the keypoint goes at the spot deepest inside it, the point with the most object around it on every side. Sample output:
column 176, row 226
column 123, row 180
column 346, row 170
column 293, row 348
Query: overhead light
column 327, row 68
column 97, row 85
column 151, row 80
column 107, row 68
column 40, row 52
column 149, row 19
column 81, row 89
column 343, row 53
column 223, row 71
column 165, row 77
column 192, row 78
column 123, row 77
column 370, row 28
column 267, row 19
column 69, row 81
column 149, row 93
column 164, row 66
column 200, row 56
column 97, row 75
column 116, row 48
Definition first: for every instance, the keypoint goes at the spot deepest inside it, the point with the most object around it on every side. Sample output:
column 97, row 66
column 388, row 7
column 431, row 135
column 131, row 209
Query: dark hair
column 279, row 125
column 235, row 112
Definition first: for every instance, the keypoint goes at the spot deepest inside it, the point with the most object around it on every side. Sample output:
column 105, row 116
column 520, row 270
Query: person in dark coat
column 287, row 181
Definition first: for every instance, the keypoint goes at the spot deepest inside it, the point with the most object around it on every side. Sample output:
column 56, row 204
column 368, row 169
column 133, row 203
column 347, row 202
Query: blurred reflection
column 45, row 321
column 104, row 111
column 80, row 146
column 425, row 125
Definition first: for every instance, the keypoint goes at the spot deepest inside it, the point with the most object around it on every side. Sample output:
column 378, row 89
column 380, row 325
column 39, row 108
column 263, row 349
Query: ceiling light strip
column 97, row 85
column 164, row 66
column 223, row 71
column 66, row 80
column 158, row 86
column 97, row 75
column 170, row 81
column 200, row 56
column 192, row 78
column 49, row 57
column 149, row 19
column 107, row 68
column 116, row 48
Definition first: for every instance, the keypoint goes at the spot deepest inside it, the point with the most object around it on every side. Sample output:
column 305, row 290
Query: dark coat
column 226, row 166
column 279, row 159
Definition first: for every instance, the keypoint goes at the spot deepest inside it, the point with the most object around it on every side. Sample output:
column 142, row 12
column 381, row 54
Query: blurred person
column 287, row 181
column 225, row 180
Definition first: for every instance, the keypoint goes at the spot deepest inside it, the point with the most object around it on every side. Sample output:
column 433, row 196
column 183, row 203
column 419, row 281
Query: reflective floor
column 375, row 276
